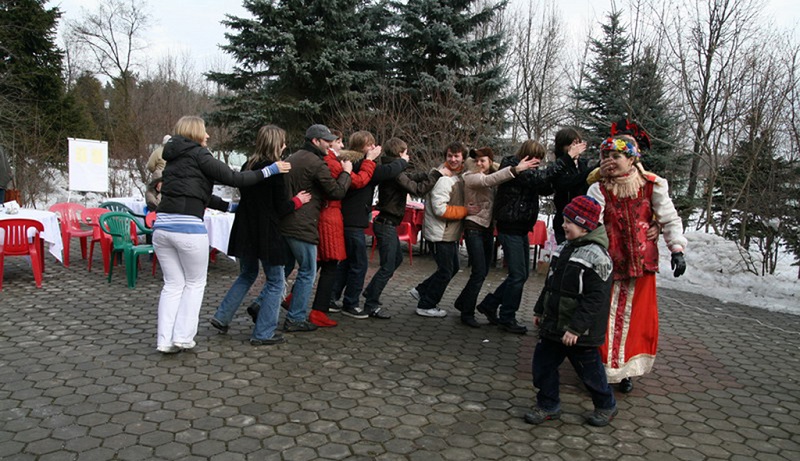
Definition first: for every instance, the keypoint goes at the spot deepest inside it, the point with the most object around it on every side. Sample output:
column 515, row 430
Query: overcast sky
column 193, row 27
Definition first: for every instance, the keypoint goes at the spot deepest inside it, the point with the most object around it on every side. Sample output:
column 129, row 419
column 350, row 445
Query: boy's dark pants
column 587, row 363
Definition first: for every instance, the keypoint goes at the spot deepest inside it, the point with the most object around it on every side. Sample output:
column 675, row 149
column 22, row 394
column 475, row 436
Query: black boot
column 626, row 385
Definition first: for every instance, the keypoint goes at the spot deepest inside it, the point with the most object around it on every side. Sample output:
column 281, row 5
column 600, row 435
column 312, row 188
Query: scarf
column 627, row 186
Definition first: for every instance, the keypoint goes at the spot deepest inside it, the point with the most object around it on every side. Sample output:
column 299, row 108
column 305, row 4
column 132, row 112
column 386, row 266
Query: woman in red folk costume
column 331, row 248
column 632, row 199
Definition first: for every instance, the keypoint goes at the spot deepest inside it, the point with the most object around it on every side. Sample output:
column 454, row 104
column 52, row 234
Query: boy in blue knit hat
column 572, row 315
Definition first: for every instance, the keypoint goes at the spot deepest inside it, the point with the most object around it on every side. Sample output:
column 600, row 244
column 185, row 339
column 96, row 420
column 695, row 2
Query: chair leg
column 83, row 247
column 410, row 257
column 35, row 264
column 2, row 266
column 65, row 242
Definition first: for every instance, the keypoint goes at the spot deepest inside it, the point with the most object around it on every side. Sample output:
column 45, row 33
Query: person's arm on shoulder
column 418, row 184
column 388, row 171
column 364, row 176
column 334, row 189
column 223, row 174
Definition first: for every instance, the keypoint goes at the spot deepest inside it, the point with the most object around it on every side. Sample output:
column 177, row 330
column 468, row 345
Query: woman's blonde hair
column 191, row 127
column 269, row 145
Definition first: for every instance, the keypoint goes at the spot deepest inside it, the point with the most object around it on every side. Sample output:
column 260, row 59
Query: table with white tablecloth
column 218, row 224
column 52, row 232
column 136, row 204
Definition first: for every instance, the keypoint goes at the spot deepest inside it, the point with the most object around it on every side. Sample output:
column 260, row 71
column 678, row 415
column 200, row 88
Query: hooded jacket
column 190, row 175
column 577, row 291
column 479, row 190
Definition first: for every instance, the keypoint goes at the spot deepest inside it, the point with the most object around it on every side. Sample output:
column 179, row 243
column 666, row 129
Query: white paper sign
column 88, row 165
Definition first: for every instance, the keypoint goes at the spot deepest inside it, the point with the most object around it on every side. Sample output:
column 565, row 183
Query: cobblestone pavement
column 80, row 379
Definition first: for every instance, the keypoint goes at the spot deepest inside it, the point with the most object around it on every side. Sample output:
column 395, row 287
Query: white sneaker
column 168, row 349
column 189, row 345
column 414, row 293
column 435, row 312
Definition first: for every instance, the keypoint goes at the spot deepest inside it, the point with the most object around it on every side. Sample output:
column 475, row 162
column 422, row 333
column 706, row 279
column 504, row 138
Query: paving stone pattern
column 80, row 379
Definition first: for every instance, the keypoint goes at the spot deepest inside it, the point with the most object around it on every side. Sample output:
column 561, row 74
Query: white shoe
column 183, row 346
column 168, row 349
column 414, row 293
column 435, row 312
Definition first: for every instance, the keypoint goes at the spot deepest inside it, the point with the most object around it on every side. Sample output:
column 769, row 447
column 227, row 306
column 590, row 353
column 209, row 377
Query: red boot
column 321, row 319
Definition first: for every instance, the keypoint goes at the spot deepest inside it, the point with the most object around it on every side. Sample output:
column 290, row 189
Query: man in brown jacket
column 300, row 229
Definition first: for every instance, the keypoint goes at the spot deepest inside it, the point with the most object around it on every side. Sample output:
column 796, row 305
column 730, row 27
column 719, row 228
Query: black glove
column 678, row 263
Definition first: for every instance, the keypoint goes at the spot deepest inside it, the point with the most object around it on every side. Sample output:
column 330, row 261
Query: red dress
column 632, row 336
column 331, row 223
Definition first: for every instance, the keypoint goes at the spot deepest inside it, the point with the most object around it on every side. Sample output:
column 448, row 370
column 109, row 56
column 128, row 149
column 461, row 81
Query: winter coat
column 516, row 204
column 577, row 291
column 156, row 162
column 627, row 221
column 357, row 204
column 567, row 186
column 331, row 223
column 190, row 175
column 255, row 230
column 445, row 210
column 392, row 194
column 479, row 190
column 310, row 173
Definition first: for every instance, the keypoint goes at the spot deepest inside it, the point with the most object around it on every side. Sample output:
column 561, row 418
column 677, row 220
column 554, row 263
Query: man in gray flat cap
column 309, row 173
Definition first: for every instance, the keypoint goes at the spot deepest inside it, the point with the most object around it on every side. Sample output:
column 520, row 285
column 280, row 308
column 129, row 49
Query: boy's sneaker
column 289, row 326
column 414, row 293
column 218, row 325
column 275, row 339
column 435, row 312
column 380, row 313
column 335, row 306
column 354, row 312
column 540, row 415
column 513, row 327
column 600, row 417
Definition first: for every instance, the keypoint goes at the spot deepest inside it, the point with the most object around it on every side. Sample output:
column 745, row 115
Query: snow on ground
column 714, row 268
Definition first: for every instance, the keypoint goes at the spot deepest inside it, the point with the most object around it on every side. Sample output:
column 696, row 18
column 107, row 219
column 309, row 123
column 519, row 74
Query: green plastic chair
column 121, row 226
column 122, row 208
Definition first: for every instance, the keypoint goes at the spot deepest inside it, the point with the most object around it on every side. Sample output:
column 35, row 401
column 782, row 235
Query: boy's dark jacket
column 576, row 294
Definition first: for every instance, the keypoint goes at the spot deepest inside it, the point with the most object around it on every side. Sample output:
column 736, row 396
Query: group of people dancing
column 310, row 211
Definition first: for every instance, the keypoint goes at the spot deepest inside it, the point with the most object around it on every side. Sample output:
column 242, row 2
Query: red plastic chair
column 370, row 232
column 69, row 218
column 91, row 216
column 20, row 237
column 405, row 232
column 537, row 238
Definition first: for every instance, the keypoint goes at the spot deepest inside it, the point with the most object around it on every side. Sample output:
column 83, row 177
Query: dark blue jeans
column 480, row 246
column 516, row 252
column 587, row 364
column 432, row 289
column 352, row 271
column 391, row 257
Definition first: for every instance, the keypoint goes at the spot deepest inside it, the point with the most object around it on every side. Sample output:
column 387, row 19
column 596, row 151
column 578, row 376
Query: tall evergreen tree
column 603, row 98
column 446, row 58
column 648, row 105
column 35, row 115
column 297, row 60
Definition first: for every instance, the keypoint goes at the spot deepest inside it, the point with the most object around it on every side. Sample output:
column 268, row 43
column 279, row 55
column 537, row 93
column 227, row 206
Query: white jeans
column 184, row 262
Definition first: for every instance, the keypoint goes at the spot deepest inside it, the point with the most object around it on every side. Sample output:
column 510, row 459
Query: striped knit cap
column 584, row 211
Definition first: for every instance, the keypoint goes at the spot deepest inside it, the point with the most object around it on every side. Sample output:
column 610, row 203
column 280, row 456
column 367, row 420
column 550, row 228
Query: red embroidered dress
column 632, row 336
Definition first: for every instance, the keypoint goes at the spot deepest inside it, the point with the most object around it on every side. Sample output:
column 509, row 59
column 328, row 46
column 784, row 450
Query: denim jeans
column 586, row 361
column 516, row 251
column 269, row 299
column 352, row 271
column 480, row 247
column 306, row 256
column 391, row 257
column 432, row 289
